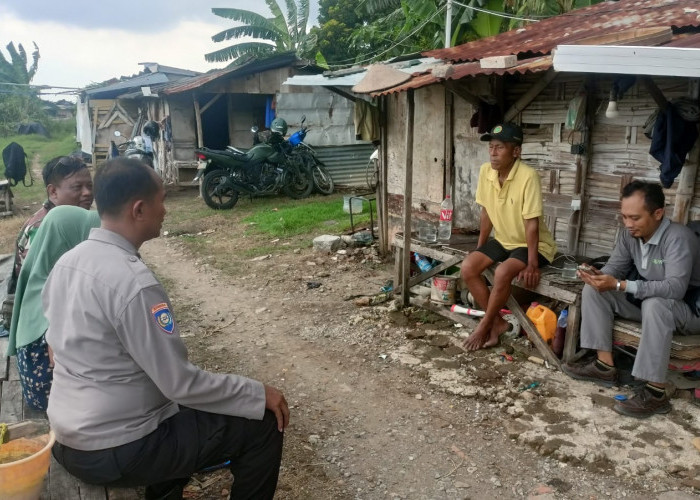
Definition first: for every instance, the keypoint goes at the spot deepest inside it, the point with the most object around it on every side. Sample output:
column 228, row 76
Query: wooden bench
column 60, row 485
column 551, row 285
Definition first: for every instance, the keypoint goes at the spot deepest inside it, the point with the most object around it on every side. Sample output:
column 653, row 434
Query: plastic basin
column 24, row 463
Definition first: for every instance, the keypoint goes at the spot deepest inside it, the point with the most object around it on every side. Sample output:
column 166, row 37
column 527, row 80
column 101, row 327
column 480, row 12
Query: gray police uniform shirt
column 668, row 262
column 120, row 365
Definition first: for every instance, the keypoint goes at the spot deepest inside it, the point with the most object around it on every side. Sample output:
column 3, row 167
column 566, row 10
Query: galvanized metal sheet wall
column 347, row 164
column 329, row 116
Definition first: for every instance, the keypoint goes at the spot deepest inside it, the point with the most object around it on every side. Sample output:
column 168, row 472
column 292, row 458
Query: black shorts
column 495, row 251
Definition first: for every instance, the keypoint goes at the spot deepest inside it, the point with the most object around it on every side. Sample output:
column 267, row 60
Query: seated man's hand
column 601, row 282
column 275, row 402
column 530, row 276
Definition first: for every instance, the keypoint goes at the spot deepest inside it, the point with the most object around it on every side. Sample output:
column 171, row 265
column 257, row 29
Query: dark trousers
column 184, row 444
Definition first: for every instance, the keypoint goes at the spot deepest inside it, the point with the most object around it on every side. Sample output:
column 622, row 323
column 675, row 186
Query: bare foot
column 477, row 339
column 500, row 326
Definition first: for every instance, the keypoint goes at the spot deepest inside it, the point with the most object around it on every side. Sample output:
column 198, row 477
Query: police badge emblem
column 164, row 320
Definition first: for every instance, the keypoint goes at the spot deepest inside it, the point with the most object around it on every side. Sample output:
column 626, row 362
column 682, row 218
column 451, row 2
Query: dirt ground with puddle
column 385, row 406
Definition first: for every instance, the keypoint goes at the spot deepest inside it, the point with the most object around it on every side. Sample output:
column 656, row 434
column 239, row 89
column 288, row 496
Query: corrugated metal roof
column 600, row 19
column 685, row 40
column 457, row 71
column 254, row 66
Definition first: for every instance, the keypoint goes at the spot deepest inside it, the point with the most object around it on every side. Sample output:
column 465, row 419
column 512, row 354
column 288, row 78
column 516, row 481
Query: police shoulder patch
column 163, row 318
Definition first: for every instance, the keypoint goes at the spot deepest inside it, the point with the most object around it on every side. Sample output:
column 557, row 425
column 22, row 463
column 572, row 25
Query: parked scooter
column 140, row 147
column 323, row 182
column 264, row 169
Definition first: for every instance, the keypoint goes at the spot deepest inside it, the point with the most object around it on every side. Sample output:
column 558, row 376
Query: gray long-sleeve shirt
column 668, row 262
column 121, row 367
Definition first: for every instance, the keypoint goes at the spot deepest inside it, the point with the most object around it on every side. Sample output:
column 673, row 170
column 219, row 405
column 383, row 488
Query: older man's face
column 76, row 190
column 502, row 154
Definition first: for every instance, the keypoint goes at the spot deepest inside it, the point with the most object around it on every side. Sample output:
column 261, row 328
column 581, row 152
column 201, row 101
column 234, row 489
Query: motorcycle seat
column 236, row 150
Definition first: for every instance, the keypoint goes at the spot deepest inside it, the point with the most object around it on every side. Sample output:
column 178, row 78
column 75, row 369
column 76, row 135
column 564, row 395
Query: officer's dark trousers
column 182, row 445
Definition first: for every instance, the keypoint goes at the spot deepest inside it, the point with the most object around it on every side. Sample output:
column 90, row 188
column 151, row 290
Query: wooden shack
column 429, row 140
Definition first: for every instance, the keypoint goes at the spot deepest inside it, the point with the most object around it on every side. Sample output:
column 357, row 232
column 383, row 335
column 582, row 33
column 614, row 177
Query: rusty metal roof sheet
column 462, row 70
column 604, row 18
column 248, row 68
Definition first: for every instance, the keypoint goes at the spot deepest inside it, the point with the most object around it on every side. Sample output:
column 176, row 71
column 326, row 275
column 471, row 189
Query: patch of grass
column 318, row 214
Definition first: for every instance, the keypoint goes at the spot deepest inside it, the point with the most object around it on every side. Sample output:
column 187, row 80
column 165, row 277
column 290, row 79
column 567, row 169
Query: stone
column 326, row 243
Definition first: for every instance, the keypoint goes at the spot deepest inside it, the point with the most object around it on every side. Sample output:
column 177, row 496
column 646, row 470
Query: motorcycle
column 323, row 182
column 264, row 169
column 136, row 148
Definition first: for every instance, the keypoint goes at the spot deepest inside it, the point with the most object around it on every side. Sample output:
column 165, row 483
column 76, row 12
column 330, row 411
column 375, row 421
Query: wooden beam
column 211, row 101
column 460, row 91
column 527, row 325
column 408, row 197
column 655, row 92
column 198, row 120
column 530, row 95
column 340, row 92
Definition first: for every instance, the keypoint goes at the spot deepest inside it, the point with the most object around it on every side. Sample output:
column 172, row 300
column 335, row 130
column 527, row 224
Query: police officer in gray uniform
column 662, row 296
column 127, row 407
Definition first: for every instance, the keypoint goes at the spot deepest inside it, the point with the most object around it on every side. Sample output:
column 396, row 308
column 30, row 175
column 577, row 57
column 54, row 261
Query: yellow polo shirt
column 509, row 205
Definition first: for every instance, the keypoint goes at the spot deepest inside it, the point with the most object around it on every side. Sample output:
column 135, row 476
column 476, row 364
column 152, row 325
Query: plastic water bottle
column 560, row 333
column 445, row 228
column 423, row 264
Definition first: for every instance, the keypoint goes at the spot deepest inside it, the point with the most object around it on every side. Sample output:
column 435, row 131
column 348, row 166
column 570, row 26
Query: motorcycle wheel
column 323, row 182
column 216, row 196
column 300, row 183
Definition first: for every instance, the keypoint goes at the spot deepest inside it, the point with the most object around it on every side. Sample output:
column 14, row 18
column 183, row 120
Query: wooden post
column 198, row 120
column 583, row 163
column 449, row 143
column 407, row 198
column 382, row 192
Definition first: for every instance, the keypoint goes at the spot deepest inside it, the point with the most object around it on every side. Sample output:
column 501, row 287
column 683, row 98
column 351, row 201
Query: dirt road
column 384, row 407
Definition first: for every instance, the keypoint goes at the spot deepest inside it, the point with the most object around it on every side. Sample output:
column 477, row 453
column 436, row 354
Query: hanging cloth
column 366, row 121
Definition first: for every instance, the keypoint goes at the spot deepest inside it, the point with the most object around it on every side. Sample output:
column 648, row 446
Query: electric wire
column 501, row 14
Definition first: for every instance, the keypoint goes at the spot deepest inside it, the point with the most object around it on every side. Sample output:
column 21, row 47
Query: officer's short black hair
column 61, row 167
column 653, row 194
column 122, row 180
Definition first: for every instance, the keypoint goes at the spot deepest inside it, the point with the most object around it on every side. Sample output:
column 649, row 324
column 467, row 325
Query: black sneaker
column 592, row 373
column 643, row 404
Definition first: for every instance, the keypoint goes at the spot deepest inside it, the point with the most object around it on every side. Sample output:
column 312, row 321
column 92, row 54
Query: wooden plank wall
column 619, row 154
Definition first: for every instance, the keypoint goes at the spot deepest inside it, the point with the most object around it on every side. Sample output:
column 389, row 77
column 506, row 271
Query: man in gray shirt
column 127, row 407
column 666, row 259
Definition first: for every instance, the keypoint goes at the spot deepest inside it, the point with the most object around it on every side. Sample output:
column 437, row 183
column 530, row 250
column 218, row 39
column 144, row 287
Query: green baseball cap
column 507, row 132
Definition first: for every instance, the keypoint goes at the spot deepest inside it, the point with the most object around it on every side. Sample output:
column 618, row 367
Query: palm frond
column 262, row 32
column 35, row 63
column 303, row 16
column 239, row 49
column 18, row 57
column 292, row 20
column 277, row 16
column 241, row 15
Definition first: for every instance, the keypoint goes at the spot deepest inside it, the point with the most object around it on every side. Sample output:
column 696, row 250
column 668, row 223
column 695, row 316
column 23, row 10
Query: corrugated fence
column 347, row 164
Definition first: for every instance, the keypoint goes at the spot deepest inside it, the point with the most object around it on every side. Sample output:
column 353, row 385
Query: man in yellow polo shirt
column 511, row 205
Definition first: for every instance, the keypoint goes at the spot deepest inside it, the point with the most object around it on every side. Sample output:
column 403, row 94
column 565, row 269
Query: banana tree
column 269, row 35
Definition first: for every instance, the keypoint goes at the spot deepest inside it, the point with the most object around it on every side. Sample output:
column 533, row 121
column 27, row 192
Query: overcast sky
column 85, row 41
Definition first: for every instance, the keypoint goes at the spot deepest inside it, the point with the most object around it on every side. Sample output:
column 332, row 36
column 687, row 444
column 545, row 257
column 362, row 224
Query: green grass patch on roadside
column 325, row 215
